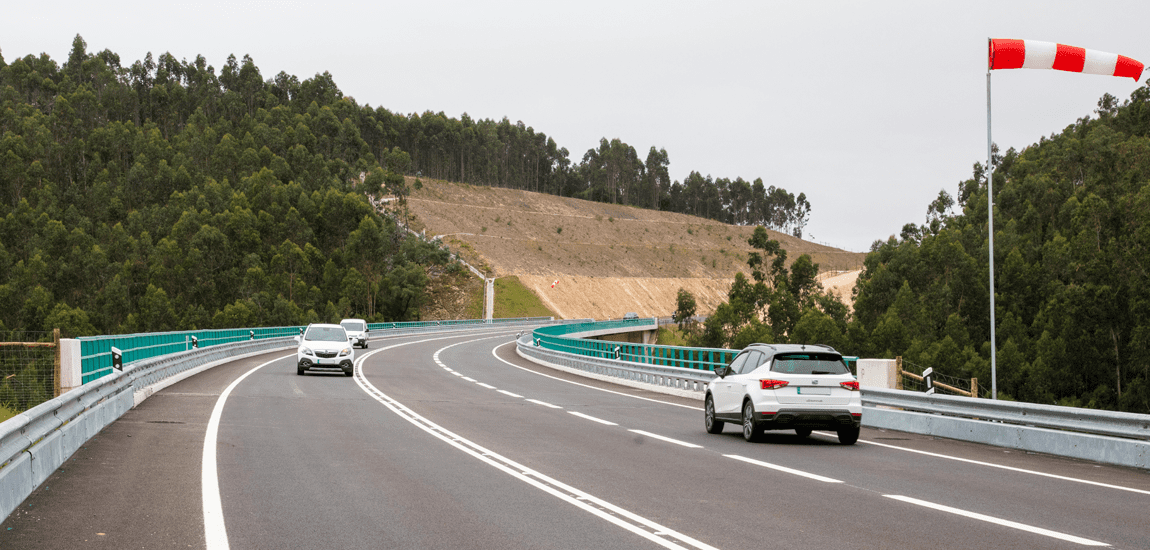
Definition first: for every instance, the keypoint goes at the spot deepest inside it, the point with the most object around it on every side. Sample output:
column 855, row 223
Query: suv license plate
column 812, row 391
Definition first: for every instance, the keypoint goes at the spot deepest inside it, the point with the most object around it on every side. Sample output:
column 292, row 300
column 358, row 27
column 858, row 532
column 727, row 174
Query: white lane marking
column 456, row 373
column 605, row 510
column 1003, row 522
column 469, row 379
column 215, row 532
column 505, row 392
column 488, row 386
column 1010, row 468
column 585, row 385
column 538, row 402
column 783, row 469
column 592, row 418
column 667, row 439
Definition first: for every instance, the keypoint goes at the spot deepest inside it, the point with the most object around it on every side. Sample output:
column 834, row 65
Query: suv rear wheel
column 848, row 435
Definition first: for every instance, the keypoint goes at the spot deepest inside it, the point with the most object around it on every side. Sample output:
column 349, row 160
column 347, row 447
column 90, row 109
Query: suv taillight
column 853, row 385
column 769, row 384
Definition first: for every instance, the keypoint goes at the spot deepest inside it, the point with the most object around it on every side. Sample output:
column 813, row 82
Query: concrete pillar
column 877, row 373
column 71, row 375
column 488, row 298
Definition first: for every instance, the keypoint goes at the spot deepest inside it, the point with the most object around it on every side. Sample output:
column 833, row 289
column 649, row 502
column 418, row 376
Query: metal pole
column 990, row 235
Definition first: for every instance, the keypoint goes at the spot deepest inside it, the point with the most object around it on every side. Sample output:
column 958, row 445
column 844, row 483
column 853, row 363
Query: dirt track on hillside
column 608, row 259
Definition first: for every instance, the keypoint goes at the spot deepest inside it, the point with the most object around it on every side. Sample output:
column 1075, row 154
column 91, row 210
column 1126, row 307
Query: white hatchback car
column 324, row 347
column 356, row 331
column 785, row 386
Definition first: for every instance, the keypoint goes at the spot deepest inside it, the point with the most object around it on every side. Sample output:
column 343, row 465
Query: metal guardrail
column 1091, row 421
column 634, row 362
column 34, row 443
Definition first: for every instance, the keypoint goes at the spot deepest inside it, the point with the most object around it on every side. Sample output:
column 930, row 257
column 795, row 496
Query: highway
column 451, row 440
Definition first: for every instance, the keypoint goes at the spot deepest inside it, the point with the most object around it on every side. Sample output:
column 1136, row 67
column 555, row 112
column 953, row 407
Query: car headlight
column 346, row 351
column 306, row 351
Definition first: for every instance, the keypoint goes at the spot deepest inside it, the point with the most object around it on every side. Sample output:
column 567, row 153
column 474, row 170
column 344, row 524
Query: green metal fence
column 554, row 337
column 424, row 324
column 96, row 351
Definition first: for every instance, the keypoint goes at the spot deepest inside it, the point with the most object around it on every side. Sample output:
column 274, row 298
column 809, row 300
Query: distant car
column 631, row 315
column 780, row 387
column 356, row 331
column 324, row 347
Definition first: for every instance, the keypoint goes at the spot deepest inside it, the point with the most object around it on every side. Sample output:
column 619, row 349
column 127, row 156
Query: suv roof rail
column 823, row 346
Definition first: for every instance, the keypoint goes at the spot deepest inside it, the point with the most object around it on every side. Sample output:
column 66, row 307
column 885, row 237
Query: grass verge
column 512, row 299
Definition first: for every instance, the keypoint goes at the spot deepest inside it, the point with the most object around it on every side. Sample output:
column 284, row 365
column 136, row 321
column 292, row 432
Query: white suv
column 324, row 346
column 356, row 331
column 780, row 387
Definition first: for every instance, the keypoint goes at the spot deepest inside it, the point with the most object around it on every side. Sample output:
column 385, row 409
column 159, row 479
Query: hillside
column 609, row 259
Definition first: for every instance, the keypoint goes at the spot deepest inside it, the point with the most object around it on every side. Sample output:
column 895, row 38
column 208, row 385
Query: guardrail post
column 974, row 387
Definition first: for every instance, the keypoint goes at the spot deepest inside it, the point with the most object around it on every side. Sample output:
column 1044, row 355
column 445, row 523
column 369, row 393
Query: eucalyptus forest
column 163, row 195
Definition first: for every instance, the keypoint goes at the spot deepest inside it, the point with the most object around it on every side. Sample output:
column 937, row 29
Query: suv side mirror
column 722, row 371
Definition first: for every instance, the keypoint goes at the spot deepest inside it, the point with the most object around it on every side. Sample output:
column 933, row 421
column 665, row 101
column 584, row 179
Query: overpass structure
column 451, row 436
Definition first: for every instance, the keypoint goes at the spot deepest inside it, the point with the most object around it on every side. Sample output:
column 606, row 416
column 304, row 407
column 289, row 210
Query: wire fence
column 912, row 381
column 27, row 370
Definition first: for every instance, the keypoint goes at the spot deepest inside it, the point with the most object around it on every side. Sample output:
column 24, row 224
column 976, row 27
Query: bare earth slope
column 608, row 259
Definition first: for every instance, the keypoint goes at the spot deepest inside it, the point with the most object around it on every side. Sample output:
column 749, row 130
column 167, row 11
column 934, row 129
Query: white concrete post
column 877, row 373
column 71, row 376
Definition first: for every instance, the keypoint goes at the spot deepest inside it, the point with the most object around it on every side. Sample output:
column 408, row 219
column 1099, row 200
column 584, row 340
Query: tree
column 685, row 309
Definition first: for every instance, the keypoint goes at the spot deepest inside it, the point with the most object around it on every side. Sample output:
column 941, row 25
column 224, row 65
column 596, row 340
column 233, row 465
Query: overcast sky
column 870, row 108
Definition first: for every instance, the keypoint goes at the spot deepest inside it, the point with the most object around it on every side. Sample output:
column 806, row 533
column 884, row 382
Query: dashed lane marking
column 667, row 439
column 999, row 521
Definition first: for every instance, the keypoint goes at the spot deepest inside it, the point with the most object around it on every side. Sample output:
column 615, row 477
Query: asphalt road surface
column 451, row 440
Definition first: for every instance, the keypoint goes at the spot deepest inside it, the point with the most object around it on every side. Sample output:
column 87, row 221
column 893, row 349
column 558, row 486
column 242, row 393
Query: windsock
column 1032, row 54
column 555, row 283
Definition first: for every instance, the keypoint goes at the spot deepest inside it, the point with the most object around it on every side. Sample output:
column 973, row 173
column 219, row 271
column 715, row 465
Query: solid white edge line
column 1000, row 466
column 515, row 395
column 545, row 404
column 998, row 521
column 609, row 512
column 667, row 439
column 592, row 418
column 215, row 532
column 469, row 379
column 586, row 385
column 783, row 469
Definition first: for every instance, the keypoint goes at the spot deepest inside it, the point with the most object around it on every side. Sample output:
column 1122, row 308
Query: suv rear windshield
column 326, row 334
column 809, row 363
column 353, row 325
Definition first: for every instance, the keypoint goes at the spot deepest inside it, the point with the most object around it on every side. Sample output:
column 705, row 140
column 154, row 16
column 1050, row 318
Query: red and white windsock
column 555, row 283
column 1032, row 54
